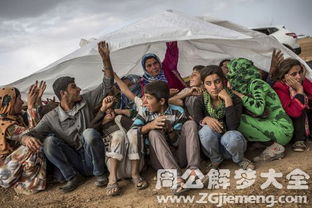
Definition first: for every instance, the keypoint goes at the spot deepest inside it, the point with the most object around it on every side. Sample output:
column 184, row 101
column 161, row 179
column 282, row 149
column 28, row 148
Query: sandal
column 112, row 189
column 273, row 152
column 246, row 164
column 299, row 146
column 214, row 165
column 179, row 188
column 139, row 183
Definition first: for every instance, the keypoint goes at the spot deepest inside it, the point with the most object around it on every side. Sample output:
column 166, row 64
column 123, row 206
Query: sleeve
column 293, row 107
column 96, row 121
column 15, row 132
column 138, row 122
column 233, row 113
column 95, row 96
column 170, row 62
column 33, row 117
column 255, row 102
column 199, row 110
column 41, row 130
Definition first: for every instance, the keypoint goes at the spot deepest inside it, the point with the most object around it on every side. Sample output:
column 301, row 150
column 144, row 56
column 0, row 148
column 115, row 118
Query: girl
column 295, row 93
column 218, row 111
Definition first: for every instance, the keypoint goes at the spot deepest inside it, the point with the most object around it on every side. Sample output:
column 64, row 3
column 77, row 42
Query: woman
column 166, row 71
column 264, row 119
column 218, row 111
column 295, row 93
column 21, row 164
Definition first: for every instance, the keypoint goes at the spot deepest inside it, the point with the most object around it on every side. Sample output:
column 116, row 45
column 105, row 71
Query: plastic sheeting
column 201, row 40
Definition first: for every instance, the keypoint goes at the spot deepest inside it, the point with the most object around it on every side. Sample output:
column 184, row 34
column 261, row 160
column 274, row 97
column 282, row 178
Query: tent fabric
column 201, row 40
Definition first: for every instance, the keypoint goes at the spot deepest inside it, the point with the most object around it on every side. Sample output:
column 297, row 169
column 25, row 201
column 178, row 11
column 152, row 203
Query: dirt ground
column 87, row 195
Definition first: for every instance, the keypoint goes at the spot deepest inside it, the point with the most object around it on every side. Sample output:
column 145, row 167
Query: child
column 295, row 92
column 120, row 162
column 167, row 128
column 218, row 111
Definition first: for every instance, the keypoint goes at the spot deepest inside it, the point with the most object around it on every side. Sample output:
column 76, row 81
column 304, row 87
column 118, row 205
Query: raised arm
column 124, row 88
column 170, row 63
column 95, row 96
column 105, row 54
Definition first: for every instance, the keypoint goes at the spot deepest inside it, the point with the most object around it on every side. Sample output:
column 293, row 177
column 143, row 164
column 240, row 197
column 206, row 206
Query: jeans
column 230, row 145
column 88, row 160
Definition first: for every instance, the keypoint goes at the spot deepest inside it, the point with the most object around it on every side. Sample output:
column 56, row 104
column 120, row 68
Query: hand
column 292, row 82
column 277, row 58
column 168, row 127
column 224, row 95
column 103, row 49
column 126, row 112
column 32, row 96
column 107, row 102
column 172, row 91
column 228, row 85
column 240, row 95
column 41, row 88
column 193, row 91
column 214, row 124
column 32, row 143
column 158, row 123
column 119, row 111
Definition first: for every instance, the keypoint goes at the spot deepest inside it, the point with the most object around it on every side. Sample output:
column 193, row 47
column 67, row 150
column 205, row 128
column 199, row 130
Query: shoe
column 246, row 164
column 101, row 180
column 112, row 189
column 180, row 189
column 139, row 183
column 72, row 184
column 214, row 165
column 273, row 152
column 299, row 146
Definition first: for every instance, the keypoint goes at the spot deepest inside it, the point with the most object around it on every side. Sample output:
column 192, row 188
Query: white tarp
column 201, row 40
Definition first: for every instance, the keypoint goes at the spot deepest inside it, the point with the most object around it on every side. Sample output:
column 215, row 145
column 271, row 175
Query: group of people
column 115, row 130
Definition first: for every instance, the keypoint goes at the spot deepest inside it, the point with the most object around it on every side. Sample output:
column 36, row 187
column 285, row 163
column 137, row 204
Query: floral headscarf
column 147, row 78
column 241, row 73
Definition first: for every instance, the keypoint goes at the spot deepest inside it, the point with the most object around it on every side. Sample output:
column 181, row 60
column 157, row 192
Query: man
column 167, row 128
column 69, row 144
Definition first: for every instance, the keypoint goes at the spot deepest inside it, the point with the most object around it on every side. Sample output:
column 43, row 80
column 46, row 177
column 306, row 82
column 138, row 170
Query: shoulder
column 259, row 84
column 53, row 114
column 176, row 108
column 280, row 85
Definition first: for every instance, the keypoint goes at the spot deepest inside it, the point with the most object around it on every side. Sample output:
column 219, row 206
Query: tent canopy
column 201, row 40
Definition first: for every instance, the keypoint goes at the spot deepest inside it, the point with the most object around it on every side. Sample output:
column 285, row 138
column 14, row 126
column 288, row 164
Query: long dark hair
column 211, row 69
column 284, row 67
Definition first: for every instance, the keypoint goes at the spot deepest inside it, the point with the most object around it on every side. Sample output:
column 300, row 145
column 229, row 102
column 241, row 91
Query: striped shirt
column 175, row 116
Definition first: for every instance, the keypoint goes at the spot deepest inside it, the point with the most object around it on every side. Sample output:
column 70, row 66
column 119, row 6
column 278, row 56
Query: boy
column 167, row 128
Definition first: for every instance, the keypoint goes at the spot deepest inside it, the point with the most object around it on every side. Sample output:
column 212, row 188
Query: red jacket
column 293, row 106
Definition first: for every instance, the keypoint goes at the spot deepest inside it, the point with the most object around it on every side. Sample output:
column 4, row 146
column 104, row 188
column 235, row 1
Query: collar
column 63, row 115
column 168, row 111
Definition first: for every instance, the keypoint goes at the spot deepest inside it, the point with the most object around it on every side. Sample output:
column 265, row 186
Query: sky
column 35, row 33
